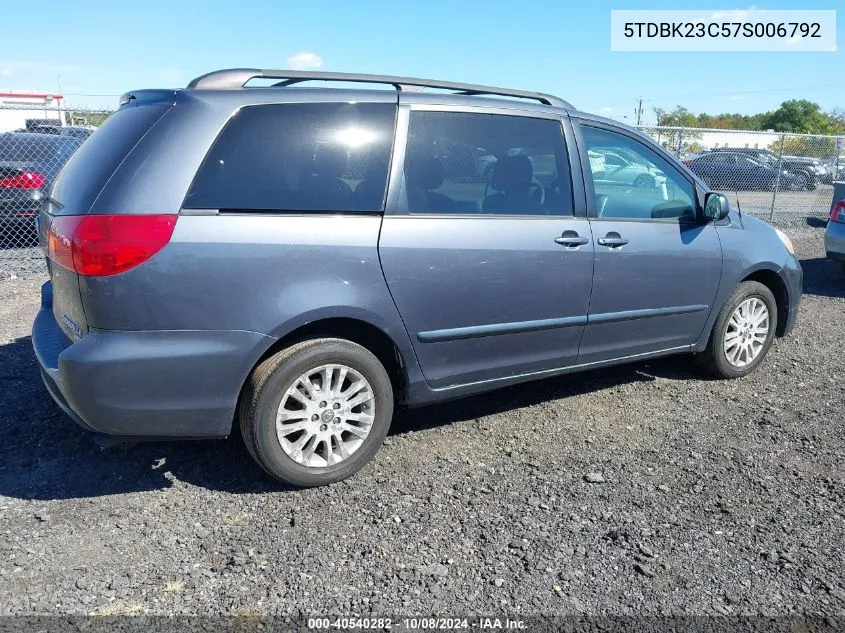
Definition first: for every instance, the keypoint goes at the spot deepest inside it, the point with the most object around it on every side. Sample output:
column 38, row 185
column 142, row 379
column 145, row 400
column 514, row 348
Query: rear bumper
column 793, row 277
column 146, row 384
column 834, row 240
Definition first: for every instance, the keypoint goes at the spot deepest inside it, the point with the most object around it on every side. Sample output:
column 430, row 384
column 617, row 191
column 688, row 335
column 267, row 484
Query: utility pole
column 59, row 101
column 638, row 111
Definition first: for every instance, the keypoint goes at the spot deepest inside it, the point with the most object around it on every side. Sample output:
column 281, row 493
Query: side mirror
column 716, row 206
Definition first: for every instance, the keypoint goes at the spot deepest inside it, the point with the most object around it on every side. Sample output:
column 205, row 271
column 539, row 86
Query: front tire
column 743, row 332
column 316, row 412
column 810, row 184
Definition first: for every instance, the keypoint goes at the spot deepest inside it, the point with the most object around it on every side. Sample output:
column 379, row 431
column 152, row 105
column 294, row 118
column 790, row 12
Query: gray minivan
column 299, row 260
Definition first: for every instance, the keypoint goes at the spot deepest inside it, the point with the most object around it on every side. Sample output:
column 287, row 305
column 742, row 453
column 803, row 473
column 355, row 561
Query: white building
column 706, row 139
column 19, row 109
column 736, row 138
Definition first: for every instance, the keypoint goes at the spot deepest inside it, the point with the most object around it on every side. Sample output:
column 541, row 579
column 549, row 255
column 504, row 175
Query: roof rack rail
column 238, row 77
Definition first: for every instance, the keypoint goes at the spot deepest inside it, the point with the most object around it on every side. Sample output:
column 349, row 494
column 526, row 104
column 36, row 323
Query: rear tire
column 268, row 411
column 802, row 182
column 810, row 185
column 735, row 348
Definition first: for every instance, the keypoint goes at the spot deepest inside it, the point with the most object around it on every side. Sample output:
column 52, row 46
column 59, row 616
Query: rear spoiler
column 148, row 97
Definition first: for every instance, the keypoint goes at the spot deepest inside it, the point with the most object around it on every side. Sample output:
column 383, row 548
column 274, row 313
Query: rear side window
column 467, row 163
column 86, row 173
column 299, row 157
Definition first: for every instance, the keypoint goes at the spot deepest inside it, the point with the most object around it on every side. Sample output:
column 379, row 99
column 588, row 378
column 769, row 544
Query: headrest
column 512, row 173
column 425, row 172
column 330, row 160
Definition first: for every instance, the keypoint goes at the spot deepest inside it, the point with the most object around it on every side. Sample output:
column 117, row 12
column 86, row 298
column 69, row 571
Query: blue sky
column 106, row 48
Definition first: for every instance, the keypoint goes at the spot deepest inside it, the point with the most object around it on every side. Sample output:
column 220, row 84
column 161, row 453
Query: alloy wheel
column 747, row 331
column 325, row 415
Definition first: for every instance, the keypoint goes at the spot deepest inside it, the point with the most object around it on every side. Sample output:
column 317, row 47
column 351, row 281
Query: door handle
column 612, row 240
column 571, row 239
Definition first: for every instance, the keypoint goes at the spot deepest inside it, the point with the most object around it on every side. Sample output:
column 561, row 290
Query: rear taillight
column 102, row 245
column 24, row 180
column 837, row 213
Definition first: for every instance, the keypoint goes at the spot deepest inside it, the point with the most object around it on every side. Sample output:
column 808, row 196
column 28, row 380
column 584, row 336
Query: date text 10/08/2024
column 415, row 624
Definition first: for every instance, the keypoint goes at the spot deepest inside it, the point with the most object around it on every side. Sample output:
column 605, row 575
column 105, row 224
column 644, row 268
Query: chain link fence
column 35, row 142
column 780, row 177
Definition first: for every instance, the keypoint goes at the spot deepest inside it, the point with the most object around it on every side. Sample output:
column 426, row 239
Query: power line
column 82, row 94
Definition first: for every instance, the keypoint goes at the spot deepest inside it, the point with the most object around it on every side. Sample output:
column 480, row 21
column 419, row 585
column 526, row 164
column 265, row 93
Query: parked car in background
column 815, row 165
column 807, row 178
column 740, row 172
column 625, row 168
column 74, row 131
column 836, row 166
column 29, row 163
column 834, row 234
column 300, row 261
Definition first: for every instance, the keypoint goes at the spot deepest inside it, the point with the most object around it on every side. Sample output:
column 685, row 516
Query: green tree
column 799, row 115
column 678, row 117
column 810, row 146
column 678, row 142
column 87, row 117
column 729, row 121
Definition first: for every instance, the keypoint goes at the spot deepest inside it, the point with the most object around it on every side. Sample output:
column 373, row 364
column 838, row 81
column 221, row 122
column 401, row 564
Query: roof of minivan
column 255, row 96
column 229, row 78
column 233, row 98
column 227, row 88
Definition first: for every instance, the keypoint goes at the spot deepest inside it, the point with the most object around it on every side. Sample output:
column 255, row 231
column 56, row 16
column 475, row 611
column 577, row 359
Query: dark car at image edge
column 299, row 260
column 736, row 171
column 803, row 169
column 29, row 162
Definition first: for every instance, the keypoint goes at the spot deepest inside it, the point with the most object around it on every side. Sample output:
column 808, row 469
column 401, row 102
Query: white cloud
column 305, row 61
column 736, row 15
column 736, row 97
column 5, row 72
column 606, row 111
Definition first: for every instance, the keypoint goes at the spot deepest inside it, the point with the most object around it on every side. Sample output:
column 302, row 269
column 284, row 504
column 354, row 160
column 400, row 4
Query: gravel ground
column 646, row 489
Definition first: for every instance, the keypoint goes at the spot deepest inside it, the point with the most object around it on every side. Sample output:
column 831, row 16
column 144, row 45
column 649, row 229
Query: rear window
column 87, row 172
column 298, row 157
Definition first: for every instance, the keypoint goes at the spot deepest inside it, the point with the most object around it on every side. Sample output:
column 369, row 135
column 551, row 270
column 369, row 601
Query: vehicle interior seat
column 369, row 193
column 512, row 177
column 324, row 183
column 423, row 174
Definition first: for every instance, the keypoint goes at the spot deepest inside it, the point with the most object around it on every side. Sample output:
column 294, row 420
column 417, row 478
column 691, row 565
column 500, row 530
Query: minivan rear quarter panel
column 263, row 272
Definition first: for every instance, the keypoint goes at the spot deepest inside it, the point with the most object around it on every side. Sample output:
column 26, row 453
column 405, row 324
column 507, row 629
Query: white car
column 618, row 168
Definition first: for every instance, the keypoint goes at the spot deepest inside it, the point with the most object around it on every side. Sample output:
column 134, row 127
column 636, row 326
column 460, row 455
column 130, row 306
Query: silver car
column 834, row 235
